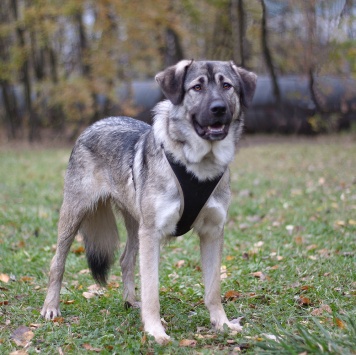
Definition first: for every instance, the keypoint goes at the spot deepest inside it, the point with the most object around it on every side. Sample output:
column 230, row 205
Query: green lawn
column 288, row 266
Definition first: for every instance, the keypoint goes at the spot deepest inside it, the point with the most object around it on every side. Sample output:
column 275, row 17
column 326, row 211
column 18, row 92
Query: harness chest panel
column 195, row 194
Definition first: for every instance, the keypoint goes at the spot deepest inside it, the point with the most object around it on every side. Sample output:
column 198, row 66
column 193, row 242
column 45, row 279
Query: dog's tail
column 101, row 239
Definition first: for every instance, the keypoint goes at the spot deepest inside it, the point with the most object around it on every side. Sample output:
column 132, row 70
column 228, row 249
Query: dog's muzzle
column 215, row 124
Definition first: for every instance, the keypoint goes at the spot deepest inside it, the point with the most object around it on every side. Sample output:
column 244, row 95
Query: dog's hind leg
column 128, row 261
column 68, row 225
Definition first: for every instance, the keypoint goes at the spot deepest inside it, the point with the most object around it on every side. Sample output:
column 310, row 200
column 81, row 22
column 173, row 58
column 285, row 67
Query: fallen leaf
column 223, row 272
column 244, row 226
column 22, row 336
column 28, row 279
column 69, row 302
column 179, row 263
column 79, row 250
column 339, row 323
column 35, row 325
column 352, row 222
column 4, row 278
column 259, row 244
column 232, row 295
column 113, row 284
column 311, row 247
column 89, row 295
column 319, row 311
column 94, row 287
column 230, row 257
column 259, row 275
column 188, row 343
column 58, row 320
column 304, row 301
column 4, row 303
column 84, row 271
column 87, row 346
column 19, row 352
column 299, row 240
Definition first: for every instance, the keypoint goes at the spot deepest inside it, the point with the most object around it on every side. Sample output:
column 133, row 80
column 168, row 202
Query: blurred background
column 66, row 63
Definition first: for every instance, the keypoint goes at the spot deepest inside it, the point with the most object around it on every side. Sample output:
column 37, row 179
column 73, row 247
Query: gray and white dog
column 127, row 165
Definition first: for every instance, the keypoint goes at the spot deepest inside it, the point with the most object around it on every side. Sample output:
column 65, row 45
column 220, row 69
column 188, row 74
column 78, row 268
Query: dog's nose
column 218, row 108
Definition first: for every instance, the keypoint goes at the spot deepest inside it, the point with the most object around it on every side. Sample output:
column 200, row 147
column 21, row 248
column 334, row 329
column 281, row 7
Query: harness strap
column 195, row 194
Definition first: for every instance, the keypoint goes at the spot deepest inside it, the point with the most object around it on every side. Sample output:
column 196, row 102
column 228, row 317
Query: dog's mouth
column 212, row 132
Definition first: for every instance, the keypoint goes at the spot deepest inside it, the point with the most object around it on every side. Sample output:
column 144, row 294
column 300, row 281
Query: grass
column 288, row 264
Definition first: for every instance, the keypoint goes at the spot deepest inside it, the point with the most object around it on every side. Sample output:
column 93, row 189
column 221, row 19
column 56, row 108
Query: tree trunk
column 268, row 56
column 25, row 77
column 12, row 119
column 238, row 29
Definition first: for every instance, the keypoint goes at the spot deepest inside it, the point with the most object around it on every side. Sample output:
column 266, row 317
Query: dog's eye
column 197, row 87
column 227, row 86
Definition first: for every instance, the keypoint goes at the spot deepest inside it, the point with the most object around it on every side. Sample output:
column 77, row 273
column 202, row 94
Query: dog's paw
column 135, row 304
column 159, row 334
column 233, row 325
column 163, row 339
column 49, row 312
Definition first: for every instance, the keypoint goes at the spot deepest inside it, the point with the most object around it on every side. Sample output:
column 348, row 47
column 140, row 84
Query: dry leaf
column 260, row 275
column 22, row 336
column 79, row 250
column 35, row 325
column 179, row 263
column 188, row 342
column 340, row 323
column 69, row 302
column 311, row 247
column 304, row 301
column 58, row 320
column 4, row 278
column 223, row 272
column 319, row 311
column 28, row 279
column 232, row 295
column 19, row 352
column 113, row 284
column 90, row 348
column 89, row 295
column 4, row 303
column 299, row 240
column 84, row 271
column 230, row 257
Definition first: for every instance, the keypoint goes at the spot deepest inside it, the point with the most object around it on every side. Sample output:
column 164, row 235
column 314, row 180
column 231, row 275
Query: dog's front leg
column 149, row 262
column 211, row 251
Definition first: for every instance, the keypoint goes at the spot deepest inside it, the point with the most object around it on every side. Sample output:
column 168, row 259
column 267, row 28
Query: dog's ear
column 171, row 81
column 248, row 82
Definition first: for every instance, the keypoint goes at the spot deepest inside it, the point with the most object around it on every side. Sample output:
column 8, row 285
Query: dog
column 141, row 171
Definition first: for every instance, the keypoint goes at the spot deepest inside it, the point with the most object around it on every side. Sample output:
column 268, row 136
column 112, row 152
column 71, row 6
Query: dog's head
column 214, row 93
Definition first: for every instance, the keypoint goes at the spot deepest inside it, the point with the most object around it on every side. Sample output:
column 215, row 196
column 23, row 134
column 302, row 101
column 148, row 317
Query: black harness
column 195, row 194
